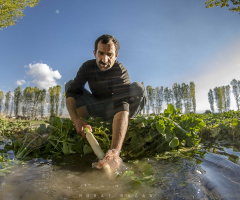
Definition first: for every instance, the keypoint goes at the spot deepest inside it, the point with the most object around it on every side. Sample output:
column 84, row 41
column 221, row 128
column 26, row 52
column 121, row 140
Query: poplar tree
column 218, row 94
column 57, row 92
column 228, row 97
column 211, row 100
column 42, row 101
column 150, row 98
column 224, row 100
column 36, row 103
column 54, row 96
column 168, row 95
column 186, row 96
column 27, row 107
column 159, row 99
column 7, row 101
column 236, row 89
column 51, row 101
column 63, row 103
column 17, row 100
column 11, row 102
column 177, row 93
column 193, row 96
column 143, row 111
column 1, row 101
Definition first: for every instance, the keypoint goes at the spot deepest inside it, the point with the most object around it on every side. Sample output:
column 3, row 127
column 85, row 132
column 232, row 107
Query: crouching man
column 112, row 97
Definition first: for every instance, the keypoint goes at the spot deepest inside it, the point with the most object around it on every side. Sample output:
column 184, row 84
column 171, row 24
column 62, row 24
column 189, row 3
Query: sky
column 161, row 43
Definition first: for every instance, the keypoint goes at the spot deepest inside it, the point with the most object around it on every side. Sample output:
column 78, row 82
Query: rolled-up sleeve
column 76, row 87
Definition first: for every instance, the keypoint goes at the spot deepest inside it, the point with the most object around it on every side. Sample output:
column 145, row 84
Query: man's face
column 105, row 55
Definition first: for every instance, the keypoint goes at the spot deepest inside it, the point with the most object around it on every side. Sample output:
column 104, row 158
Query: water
column 208, row 173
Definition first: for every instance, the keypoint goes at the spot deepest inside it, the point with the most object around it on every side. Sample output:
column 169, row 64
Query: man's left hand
column 111, row 158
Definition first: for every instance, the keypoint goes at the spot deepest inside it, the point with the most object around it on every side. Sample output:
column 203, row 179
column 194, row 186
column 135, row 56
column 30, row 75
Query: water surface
column 208, row 173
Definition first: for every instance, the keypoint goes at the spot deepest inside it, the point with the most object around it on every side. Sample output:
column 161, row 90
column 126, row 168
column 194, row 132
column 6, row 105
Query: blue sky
column 161, row 43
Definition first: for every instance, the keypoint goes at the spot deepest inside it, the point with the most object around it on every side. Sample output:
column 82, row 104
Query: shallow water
column 209, row 173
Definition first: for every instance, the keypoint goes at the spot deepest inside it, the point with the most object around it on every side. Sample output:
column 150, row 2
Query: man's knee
column 138, row 98
column 137, row 90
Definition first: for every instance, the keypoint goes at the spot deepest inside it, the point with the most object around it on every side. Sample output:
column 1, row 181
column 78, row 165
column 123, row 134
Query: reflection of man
column 113, row 97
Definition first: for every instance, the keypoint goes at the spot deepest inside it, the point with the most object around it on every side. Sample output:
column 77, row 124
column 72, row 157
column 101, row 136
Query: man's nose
column 105, row 58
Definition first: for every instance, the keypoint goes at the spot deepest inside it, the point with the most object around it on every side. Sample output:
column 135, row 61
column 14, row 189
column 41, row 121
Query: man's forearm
column 71, row 107
column 120, row 125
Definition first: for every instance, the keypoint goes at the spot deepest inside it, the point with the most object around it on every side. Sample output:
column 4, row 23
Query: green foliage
column 11, row 11
column 155, row 134
column 140, row 173
column 146, row 135
column 12, row 129
column 235, row 4
column 222, row 127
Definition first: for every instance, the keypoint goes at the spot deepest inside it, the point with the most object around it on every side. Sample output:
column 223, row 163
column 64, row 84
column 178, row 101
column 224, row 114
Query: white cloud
column 43, row 76
column 57, row 11
column 20, row 82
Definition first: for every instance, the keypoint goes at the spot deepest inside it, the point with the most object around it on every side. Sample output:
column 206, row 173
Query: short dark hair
column 106, row 39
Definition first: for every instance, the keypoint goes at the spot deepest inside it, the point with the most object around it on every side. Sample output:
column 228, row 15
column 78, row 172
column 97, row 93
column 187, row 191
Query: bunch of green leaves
column 146, row 135
column 64, row 139
column 11, row 129
column 222, row 127
column 11, row 11
column 233, row 5
column 139, row 173
column 154, row 134
column 25, row 138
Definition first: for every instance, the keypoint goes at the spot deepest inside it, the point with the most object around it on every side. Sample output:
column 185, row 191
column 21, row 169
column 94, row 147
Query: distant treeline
column 221, row 96
column 32, row 102
column 180, row 95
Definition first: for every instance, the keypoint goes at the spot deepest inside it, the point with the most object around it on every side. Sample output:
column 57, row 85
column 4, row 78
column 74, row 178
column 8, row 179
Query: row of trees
column 220, row 96
column 32, row 102
column 180, row 95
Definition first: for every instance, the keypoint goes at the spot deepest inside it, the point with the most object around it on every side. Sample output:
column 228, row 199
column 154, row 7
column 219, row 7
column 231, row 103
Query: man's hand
column 111, row 158
column 80, row 124
column 77, row 118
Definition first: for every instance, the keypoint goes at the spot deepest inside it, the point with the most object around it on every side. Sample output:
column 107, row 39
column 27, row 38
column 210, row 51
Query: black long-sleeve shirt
column 113, row 83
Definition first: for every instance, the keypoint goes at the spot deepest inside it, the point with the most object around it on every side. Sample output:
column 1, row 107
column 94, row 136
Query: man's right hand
column 80, row 124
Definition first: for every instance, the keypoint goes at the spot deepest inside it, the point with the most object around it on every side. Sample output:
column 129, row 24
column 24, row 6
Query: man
column 112, row 95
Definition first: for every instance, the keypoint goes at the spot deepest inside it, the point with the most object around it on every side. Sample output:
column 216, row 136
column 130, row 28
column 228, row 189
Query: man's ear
column 116, row 55
column 94, row 52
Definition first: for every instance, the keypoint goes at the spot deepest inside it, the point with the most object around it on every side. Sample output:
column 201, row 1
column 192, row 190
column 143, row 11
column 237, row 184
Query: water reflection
column 75, row 179
column 206, row 173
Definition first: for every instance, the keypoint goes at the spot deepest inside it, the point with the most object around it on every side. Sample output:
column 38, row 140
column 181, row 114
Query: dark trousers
column 104, row 108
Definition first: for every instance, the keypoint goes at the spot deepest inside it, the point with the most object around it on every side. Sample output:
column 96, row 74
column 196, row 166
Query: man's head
column 106, row 51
